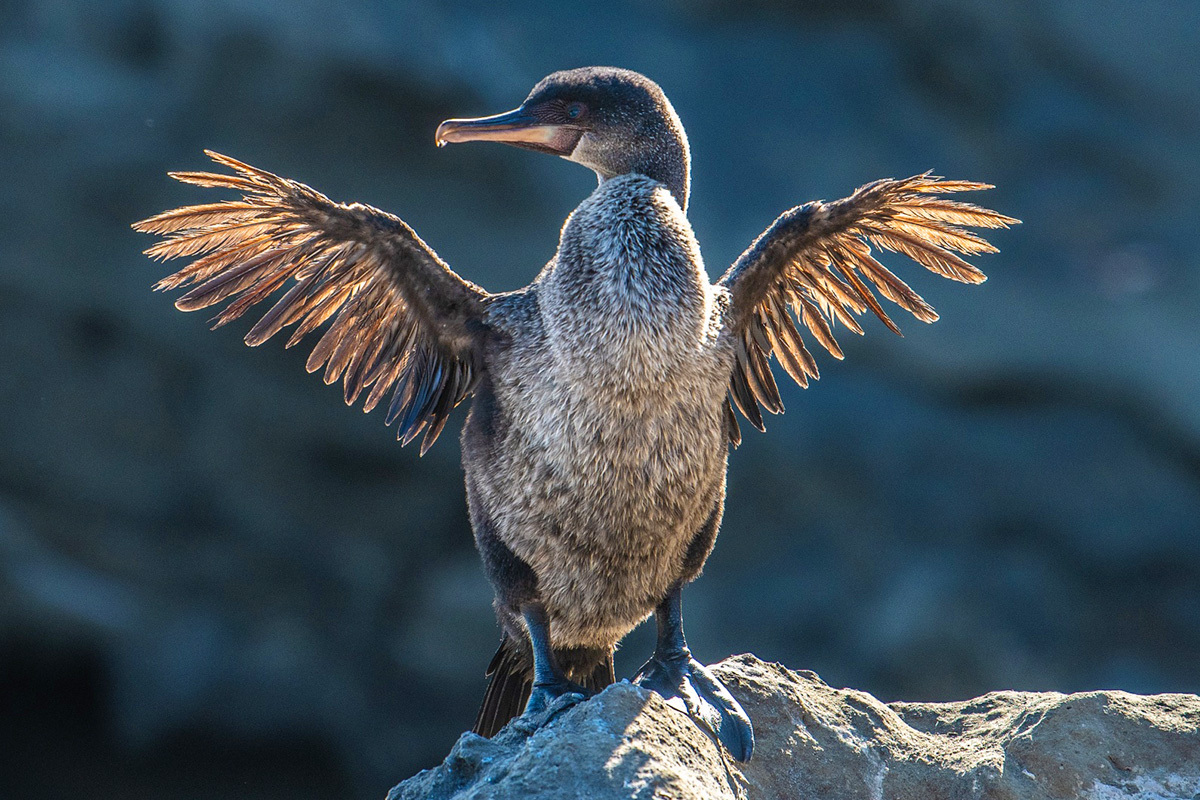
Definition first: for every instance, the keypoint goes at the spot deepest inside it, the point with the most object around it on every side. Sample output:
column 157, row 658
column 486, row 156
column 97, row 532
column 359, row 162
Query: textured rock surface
column 837, row 744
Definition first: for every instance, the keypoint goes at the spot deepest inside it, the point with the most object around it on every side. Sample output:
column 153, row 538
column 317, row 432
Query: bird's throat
column 665, row 161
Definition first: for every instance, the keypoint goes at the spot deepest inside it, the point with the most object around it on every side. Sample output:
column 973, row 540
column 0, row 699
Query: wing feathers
column 892, row 287
column 229, row 282
column 815, row 321
column 816, row 260
column 843, row 263
column 925, row 253
column 403, row 322
column 192, row 218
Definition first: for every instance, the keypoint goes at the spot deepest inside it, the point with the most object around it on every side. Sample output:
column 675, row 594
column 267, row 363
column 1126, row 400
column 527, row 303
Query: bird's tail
column 511, row 674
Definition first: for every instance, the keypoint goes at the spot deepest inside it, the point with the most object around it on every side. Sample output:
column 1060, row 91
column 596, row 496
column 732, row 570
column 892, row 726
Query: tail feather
column 508, row 690
column 601, row 676
column 511, row 682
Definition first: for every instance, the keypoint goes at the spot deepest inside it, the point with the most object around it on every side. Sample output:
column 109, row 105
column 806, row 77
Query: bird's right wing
column 403, row 321
column 814, row 259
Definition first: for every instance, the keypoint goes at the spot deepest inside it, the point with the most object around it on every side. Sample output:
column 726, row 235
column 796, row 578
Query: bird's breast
column 627, row 300
column 601, row 495
column 612, row 451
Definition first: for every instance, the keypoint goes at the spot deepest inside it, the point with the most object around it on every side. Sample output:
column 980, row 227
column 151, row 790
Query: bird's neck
column 663, row 158
column 627, row 300
column 671, row 172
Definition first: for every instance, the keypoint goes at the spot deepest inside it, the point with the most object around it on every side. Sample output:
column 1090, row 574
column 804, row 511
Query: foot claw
column 548, row 701
column 687, row 685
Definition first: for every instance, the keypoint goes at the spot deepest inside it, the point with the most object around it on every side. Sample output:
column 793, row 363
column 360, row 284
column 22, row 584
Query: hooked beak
column 517, row 127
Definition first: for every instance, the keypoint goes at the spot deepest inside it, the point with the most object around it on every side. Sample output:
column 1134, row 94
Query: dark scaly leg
column 512, row 687
column 687, row 684
column 549, row 680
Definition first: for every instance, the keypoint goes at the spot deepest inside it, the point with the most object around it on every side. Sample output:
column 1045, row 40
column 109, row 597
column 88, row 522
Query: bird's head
column 611, row 120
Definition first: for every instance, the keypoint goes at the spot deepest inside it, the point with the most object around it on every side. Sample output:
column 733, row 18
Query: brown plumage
column 365, row 269
column 813, row 259
column 596, row 446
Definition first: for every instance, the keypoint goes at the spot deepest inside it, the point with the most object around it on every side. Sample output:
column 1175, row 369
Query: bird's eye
column 574, row 110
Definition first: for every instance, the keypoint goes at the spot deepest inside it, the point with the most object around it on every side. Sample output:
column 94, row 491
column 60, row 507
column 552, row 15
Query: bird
column 604, row 396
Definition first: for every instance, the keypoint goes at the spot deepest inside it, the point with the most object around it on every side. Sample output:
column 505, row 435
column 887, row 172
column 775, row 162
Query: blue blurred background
column 217, row 581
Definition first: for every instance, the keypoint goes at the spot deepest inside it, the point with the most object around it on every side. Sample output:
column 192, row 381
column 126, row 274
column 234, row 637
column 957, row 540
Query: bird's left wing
column 813, row 259
column 403, row 321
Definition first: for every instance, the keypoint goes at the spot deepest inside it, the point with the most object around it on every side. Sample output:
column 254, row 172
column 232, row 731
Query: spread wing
column 813, row 260
column 403, row 321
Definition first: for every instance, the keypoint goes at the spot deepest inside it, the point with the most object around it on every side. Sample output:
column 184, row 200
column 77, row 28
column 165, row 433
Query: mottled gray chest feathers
column 627, row 293
column 611, row 384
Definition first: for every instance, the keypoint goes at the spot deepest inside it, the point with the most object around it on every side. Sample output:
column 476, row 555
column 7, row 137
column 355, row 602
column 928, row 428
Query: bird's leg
column 687, row 685
column 549, row 681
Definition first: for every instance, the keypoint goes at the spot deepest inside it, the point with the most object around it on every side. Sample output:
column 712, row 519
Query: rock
column 817, row 741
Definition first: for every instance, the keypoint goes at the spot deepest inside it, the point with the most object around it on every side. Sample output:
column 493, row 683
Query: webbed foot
column 544, row 695
column 690, row 687
column 548, row 701
column 552, row 693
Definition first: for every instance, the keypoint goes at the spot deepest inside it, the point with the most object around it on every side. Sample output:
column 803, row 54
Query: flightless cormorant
column 603, row 393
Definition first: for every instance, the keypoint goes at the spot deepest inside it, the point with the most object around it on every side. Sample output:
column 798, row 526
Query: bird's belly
column 602, row 496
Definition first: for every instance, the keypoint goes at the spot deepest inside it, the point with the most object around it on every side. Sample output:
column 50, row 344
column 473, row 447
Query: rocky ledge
column 814, row 741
